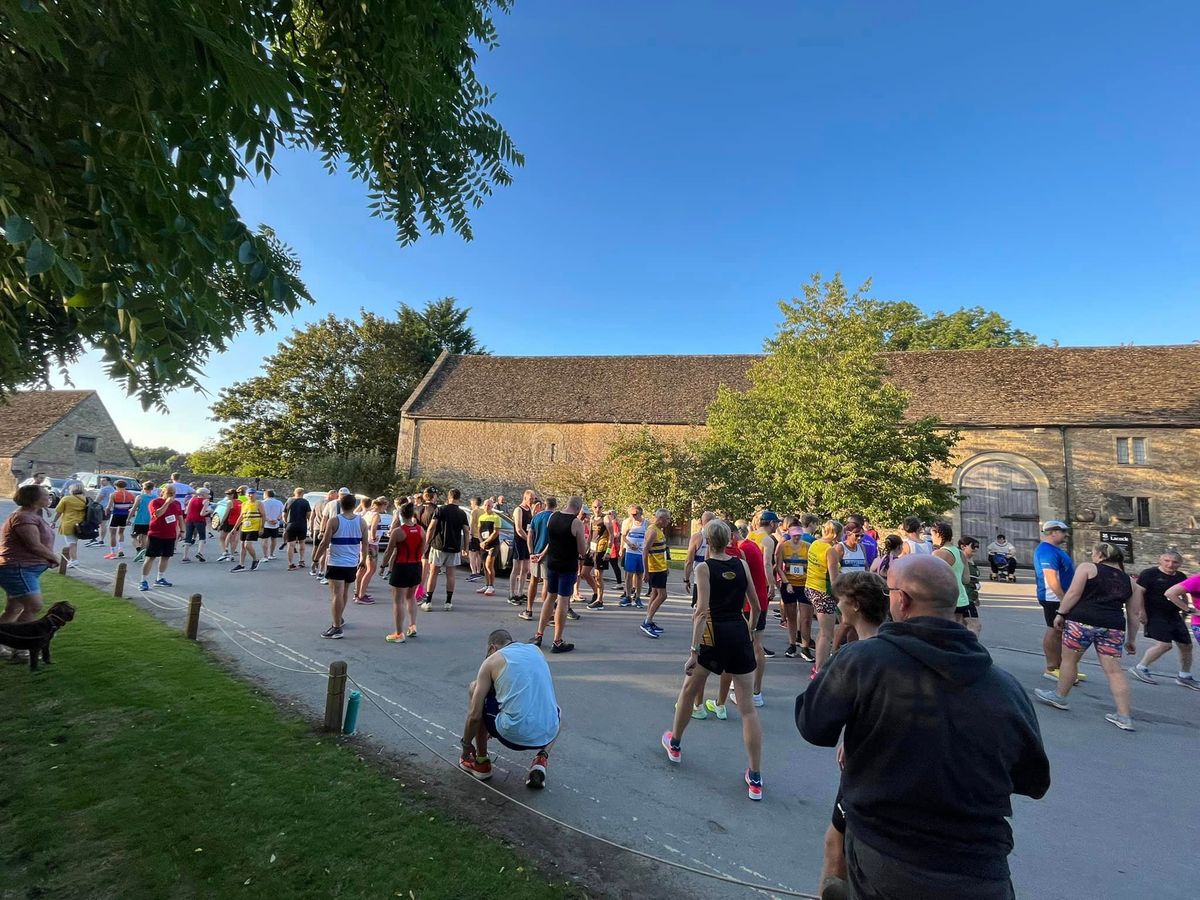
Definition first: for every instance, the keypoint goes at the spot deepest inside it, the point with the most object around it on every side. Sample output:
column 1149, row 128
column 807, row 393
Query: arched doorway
column 1002, row 494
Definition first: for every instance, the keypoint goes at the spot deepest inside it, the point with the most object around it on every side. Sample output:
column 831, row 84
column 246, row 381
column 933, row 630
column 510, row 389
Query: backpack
column 93, row 517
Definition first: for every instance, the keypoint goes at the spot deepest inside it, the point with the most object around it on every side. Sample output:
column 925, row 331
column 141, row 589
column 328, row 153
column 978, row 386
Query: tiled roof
column 1003, row 387
column 27, row 415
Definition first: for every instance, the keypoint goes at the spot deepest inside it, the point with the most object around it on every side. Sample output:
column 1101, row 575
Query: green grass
column 135, row 767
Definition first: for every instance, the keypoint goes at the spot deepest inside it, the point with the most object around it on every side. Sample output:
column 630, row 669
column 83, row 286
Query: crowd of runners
column 905, row 602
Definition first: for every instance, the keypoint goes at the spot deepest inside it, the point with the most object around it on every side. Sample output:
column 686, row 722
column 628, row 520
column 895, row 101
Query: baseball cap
column 767, row 516
column 1055, row 523
column 795, row 531
column 343, row 490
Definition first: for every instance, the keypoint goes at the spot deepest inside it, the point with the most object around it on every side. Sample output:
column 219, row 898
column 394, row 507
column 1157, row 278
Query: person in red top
column 752, row 554
column 406, row 539
column 195, row 521
column 120, row 502
column 166, row 527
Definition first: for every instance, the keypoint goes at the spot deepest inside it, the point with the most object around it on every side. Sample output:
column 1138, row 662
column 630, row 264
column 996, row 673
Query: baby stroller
column 1004, row 567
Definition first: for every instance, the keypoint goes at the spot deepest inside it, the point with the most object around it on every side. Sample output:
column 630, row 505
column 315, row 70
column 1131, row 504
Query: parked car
column 91, row 482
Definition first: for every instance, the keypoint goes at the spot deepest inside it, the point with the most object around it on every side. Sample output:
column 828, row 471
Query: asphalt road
column 1114, row 825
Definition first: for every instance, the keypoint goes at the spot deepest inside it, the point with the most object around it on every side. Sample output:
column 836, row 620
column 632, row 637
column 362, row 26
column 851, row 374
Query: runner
column 366, row 571
column 1179, row 594
column 296, row 513
column 344, row 546
column 816, row 589
column 103, row 495
column 272, row 514
column 164, row 529
column 848, row 555
column 444, row 542
column 869, row 544
column 489, row 546
column 655, row 544
column 721, row 643
column 633, row 531
column 140, row 511
column 317, row 528
column 863, row 604
column 914, row 540
column 119, row 504
column 406, row 543
column 1053, row 569
column 537, row 544
column 195, row 519
column 601, row 537
column 752, row 554
column 893, row 547
column 249, row 525
column 1164, row 620
column 791, row 564
column 473, row 555
column 511, row 699
column 521, row 518
column 68, row 516
column 1101, row 599
column 566, row 542
column 614, row 548
column 944, row 549
column 228, row 512
column 697, row 548
column 587, row 566
column 183, row 491
column 969, row 615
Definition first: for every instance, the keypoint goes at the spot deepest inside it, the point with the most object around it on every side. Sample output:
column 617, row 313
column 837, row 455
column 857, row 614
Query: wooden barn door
column 998, row 498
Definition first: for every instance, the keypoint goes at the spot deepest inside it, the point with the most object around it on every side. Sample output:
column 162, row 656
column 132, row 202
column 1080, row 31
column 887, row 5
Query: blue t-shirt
column 538, row 536
column 142, row 515
column 1047, row 556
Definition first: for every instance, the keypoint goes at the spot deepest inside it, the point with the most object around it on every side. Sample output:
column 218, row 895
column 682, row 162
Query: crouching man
column 511, row 700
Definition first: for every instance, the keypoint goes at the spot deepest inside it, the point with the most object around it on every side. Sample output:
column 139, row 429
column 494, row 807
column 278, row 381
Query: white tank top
column 702, row 549
column 854, row 560
column 525, row 694
column 918, row 548
column 345, row 547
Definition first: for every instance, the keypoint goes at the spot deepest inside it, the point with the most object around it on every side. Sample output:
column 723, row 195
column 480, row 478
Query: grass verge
column 135, row 767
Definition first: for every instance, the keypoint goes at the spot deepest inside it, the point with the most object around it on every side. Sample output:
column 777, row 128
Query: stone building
column 58, row 432
column 1106, row 438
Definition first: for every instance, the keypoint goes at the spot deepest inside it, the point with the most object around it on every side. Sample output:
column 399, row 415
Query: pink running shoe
column 489, row 591
column 110, row 556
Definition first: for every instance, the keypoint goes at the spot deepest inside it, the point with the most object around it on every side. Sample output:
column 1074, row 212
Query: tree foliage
column 370, row 472
column 820, row 429
column 159, row 457
column 902, row 326
column 126, row 125
column 334, row 388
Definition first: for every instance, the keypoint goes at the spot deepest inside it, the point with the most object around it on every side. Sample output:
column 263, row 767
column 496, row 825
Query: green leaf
column 258, row 272
column 40, row 258
column 17, row 230
column 71, row 270
column 80, row 300
column 183, row 224
column 246, row 254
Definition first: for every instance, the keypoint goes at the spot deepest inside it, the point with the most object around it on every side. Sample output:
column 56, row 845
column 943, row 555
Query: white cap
column 1055, row 523
column 343, row 490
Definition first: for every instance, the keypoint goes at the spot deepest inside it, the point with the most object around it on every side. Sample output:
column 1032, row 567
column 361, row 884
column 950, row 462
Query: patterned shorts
column 1196, row 631
column 822, row 603
column 1108, row 641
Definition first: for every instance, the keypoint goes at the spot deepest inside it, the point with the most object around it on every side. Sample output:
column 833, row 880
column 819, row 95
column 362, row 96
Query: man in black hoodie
column 937, row 739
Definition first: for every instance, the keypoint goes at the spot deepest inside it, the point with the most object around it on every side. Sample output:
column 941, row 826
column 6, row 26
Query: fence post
column 62, row 563
column 193, row 617
column 335, row 698
column 119, row 581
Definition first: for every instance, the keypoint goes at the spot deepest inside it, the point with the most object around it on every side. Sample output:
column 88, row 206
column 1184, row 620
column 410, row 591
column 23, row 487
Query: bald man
column 937, row 739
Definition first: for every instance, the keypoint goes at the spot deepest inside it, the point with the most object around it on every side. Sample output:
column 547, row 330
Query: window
column 1142, row 505
column 1131, row 451
column 85, row 444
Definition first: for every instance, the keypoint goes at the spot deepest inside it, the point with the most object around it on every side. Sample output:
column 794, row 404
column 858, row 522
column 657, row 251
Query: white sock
column 1183, row 674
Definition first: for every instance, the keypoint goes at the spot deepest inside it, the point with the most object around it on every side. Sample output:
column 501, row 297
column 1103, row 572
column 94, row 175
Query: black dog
column 35, row 636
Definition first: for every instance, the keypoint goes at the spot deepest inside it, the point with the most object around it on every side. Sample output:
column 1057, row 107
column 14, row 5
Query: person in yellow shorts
column 791, row 566
column 655, row 551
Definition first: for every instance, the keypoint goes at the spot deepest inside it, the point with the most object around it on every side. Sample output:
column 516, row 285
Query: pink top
column 1192, row 586
column 13, row 550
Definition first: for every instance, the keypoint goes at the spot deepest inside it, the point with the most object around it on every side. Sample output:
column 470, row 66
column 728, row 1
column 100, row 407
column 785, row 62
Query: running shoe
column 561, row 647
column 144, row 586
column 254, row 565
column 120, row 554
column 479, row 767
column 1052, row 675
column 200, row 558
column 757, row 699
column 536, row 779
column 776, row 613
column 322, row 579
column 313, row 572
column 647, row 629
column 139, row 556
column 674, row 753
column 364, row 600
column 513, row 601
column 768, row 653
column 717, row 708
column 480, row 590
column 754, row 783
column 426, row 606
column 411, row 632
column 110, row 556
column 1188, row 681
column 596, row 604
column 526, row 615
column 185, row 560
column 657, row 629
column 225, row 557
column 333, row 632
column 1125, row 723
column 1141, row 673
column 489, row 591
column 162, row 582
column 639, row 604
column 292, row 567
column 807, row 654
column 395, row 638
column 625, row 601
column 474, row 577
column 447, row 606
column 238, row 568
column 536, row 640
column 1051, row 698
column 699, row 712
column 792, row 651
column 571, row 614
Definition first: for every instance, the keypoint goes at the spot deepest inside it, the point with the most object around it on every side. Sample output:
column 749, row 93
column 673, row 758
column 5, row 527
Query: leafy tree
column 369, row 472
column 159, row 457
column 902, row 326
column 820, row 429
column 126, row 125
column 334, row 388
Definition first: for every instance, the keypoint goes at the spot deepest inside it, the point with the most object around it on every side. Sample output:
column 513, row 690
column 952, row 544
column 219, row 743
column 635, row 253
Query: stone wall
column 55, row 451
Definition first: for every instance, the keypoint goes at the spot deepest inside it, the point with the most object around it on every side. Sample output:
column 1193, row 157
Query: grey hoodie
column 937, row 739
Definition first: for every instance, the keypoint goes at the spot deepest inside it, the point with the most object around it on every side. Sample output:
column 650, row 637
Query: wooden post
column 335, row 698
column 193, row 617
column 119, row 581
column 62, row 564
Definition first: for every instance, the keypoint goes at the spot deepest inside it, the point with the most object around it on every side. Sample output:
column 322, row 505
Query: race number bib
column 170, row 520
column 795, row 568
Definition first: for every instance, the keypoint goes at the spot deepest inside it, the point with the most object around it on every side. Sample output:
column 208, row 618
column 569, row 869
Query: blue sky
column 690, row 163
